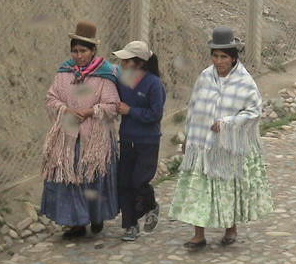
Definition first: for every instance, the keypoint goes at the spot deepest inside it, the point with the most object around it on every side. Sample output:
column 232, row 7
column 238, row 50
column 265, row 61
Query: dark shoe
column 131, row 234
column 75, row 232
column 96, row 228
column 151, row 219
column 226, row 241
column 229, row 236
column 191, row 246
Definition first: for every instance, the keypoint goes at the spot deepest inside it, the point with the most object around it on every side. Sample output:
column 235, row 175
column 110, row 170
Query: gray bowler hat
column 223, row 38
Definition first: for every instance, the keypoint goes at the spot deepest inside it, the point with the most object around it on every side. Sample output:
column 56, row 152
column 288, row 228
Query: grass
column 5, row 209
column 179, row 118
column 174, row 165
column 277, row 124
column 163, row 179
column 277, row 66
column 175, row 141
column 173, row 168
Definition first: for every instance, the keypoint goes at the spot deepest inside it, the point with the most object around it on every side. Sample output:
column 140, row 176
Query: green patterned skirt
column 219, row 203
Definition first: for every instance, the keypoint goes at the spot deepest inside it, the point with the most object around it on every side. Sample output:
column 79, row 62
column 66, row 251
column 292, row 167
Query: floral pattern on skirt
column 219, row 203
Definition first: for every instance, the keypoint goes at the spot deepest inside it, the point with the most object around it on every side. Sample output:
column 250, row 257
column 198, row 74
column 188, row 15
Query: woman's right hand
column 75, row 114
column 216, row 127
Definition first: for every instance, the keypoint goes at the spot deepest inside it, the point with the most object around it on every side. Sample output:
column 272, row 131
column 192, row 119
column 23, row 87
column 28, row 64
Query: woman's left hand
column 123, row 108
column 216, row 127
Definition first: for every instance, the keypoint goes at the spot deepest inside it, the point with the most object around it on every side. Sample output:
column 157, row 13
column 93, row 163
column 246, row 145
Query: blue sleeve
column 154, row 112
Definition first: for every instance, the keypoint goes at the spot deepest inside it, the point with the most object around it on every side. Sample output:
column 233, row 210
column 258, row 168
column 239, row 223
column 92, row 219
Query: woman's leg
column 198, row 241
column 144, row 172
column 230, row 236
column 231, row 232
column 125, row 190
column 199, row 234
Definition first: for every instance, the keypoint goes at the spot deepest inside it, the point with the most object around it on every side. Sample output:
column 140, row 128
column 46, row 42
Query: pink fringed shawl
column 96, row 133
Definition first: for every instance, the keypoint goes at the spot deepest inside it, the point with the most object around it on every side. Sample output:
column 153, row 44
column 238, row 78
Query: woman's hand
column 123, row 108
column 73, row 112
column 85, row 113
column 216, row 127
column 81, row 114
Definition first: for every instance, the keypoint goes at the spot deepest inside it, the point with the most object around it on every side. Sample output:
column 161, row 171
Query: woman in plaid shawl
column 222, row 180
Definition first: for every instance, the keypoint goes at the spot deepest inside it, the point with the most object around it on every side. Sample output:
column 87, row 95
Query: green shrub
column 179, row 117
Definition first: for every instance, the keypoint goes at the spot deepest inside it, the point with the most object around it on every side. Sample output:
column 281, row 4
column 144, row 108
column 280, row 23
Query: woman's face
column 223, row 62
column 130, row 65
column 82, row 55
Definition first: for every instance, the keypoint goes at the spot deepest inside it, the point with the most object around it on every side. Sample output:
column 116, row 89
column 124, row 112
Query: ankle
column 231, row 231
column 197, row 239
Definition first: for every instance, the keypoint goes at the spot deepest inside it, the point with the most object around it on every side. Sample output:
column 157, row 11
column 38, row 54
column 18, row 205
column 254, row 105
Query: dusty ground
column 268, row 241
column 271, row 82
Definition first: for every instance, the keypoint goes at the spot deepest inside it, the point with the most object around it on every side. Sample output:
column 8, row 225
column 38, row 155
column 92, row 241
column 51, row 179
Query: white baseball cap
column 133, row 49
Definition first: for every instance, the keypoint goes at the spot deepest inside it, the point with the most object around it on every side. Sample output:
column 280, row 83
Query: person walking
column 222, row 179
column 142, row 104
column 80, row 152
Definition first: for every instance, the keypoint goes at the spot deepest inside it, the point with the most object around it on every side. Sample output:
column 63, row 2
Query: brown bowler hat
column 85, row 31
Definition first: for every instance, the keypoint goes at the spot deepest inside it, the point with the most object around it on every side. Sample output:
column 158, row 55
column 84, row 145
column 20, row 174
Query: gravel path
column 272, row 240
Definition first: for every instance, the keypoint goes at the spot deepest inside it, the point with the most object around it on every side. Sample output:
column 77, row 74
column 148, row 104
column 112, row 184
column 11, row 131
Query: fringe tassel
column 59, row 153
column 227, row 157
column 97, row 153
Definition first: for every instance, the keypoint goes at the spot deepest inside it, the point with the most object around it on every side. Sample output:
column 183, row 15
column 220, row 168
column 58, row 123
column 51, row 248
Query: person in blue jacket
column 142, row 104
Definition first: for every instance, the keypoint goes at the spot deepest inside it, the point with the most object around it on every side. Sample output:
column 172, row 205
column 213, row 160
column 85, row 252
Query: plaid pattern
column 237, row 103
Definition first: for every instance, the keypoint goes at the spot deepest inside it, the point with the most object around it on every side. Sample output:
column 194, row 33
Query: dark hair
column 232, row 52
column 151, row 65
column 86, row 44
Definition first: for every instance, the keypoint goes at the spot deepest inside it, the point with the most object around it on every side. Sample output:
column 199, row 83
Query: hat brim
column 93, row 41
column 237, row 44
column 123, row 54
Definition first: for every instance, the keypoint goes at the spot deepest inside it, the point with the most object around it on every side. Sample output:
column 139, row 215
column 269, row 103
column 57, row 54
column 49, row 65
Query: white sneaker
column 151, row 219
column 131, row 234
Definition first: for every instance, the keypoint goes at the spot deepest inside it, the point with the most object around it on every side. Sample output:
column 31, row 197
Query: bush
column 174, row 164
column 179, row 117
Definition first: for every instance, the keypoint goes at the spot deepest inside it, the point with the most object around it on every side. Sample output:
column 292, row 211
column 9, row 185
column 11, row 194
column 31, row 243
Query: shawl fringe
column 59, row 153
column 236, row 104
column 225, row 159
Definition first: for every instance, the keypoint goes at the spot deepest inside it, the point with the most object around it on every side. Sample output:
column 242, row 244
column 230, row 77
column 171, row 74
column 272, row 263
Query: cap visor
column 123, row 54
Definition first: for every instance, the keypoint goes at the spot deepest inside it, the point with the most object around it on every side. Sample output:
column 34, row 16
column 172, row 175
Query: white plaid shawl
column 238, row 105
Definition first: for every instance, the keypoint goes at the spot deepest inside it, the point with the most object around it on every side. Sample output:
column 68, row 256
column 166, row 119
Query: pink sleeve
column 54, row 102
column 108, row 102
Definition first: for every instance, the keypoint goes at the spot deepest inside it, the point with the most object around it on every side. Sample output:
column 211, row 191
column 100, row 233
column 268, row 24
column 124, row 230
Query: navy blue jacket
column 142, row 124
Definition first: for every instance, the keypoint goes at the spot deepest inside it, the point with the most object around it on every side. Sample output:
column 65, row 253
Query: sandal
column 192, row 246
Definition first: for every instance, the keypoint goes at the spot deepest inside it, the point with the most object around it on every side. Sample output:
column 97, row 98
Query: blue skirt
column 80, row 205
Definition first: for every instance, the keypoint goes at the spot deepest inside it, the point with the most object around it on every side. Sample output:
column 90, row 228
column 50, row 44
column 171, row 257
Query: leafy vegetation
column 277, row 124
column 179, row 117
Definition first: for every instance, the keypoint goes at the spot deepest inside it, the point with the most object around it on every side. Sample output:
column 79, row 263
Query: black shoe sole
column 68, row 235
column 97, row 228
column 191, row 246
column 227, row 241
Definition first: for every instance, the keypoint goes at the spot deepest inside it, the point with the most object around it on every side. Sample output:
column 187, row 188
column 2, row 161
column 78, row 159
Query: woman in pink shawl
column 79, row 164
